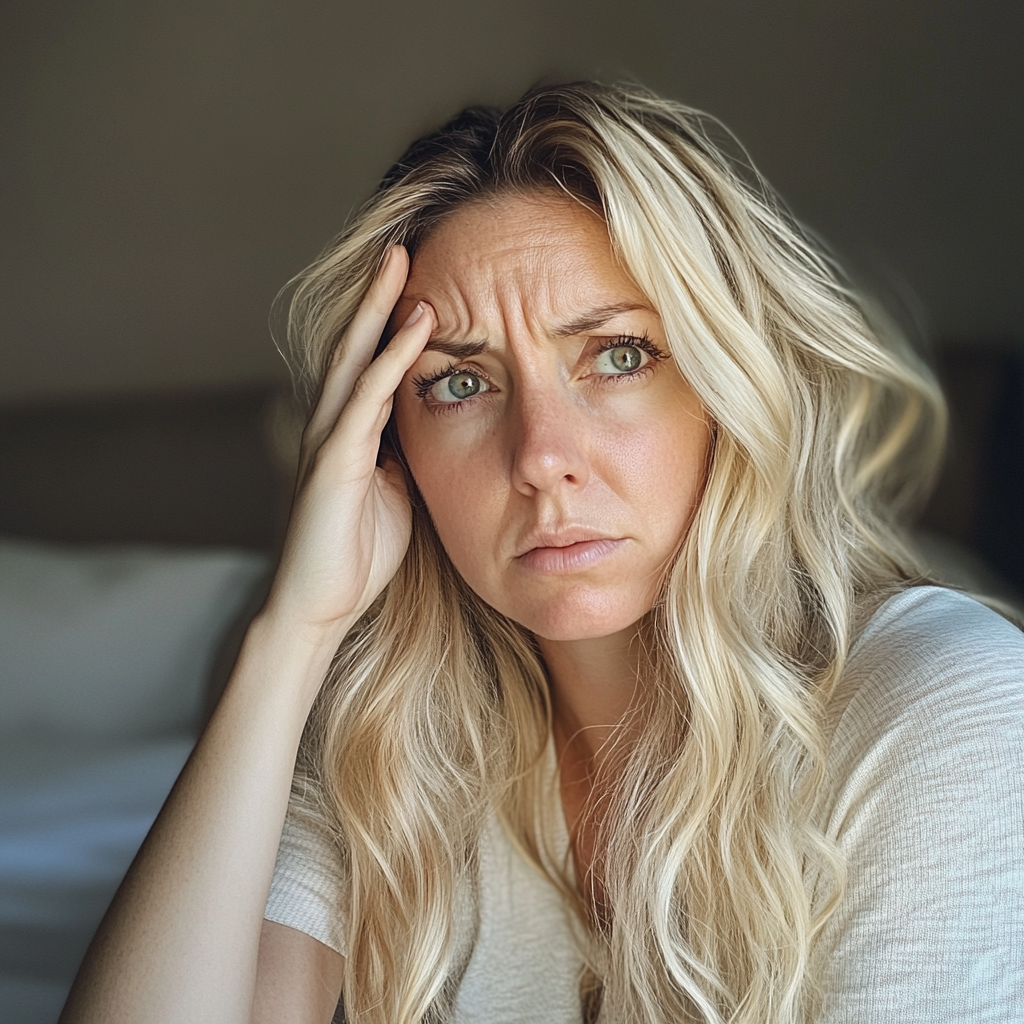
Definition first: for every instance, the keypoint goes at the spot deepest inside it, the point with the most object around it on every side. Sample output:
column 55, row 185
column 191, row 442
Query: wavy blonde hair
column 717, row 875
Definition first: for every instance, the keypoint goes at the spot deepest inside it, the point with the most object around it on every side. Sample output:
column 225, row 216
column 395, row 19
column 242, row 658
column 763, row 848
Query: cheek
column 468, row 518
column 460, row 484
column 661, row 465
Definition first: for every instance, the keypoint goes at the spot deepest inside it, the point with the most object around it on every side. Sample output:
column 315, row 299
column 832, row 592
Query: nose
column 551, row 446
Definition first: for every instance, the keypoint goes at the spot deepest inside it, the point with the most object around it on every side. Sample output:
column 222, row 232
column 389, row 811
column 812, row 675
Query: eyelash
column 642, row 342
column 424, row 384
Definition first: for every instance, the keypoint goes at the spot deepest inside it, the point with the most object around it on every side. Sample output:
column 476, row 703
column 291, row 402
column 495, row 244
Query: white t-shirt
column 926, row 802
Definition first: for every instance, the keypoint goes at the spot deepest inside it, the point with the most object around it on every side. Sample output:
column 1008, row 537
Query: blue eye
column 457, row 386
column 620, row 359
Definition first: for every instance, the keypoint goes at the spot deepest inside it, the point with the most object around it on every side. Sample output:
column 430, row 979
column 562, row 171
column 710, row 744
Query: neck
column 593, row 685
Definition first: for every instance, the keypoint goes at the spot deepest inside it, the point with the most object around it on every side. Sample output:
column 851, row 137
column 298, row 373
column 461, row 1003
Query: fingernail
column 415, row 314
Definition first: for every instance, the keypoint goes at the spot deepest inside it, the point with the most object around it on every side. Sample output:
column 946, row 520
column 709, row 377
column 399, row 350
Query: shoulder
column 929, row 715
column 933, row 632
column 931, row 660
column 925, row 801
column 927, row 732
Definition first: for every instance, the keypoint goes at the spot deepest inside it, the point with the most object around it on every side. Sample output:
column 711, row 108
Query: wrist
column 308, row 639
column 288, row 654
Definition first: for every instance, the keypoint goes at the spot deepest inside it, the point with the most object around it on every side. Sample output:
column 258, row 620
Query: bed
column 136, row 537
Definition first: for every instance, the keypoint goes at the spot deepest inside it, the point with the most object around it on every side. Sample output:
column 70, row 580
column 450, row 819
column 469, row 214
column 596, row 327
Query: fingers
column 355, row 349
column 363, row 333
column 369, row 404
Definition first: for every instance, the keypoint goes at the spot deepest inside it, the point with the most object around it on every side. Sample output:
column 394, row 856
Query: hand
column 351, row 519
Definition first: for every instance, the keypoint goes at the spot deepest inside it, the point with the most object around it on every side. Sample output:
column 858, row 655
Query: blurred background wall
column 167, row 167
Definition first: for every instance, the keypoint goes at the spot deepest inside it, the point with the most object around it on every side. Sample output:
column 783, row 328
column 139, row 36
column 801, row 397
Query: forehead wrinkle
column 459, row 339
column 522, row 288
column 451, row 343
column 493, row 306
column 545, row 300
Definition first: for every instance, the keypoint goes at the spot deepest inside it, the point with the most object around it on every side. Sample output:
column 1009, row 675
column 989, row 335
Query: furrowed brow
column 592, row 320
column 595, row 319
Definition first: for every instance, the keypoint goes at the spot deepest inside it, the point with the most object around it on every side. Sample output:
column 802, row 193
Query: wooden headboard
column 195, row 468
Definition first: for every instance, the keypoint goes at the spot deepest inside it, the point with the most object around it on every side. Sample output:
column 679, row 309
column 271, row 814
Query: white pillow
column 113, row 641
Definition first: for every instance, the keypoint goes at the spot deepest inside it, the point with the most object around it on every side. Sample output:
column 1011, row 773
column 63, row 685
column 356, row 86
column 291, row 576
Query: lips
column 568, row 550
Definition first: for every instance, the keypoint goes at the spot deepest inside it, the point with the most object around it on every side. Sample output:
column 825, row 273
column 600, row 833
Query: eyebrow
column 456, row 349
column 595, row 318
column 586, row 322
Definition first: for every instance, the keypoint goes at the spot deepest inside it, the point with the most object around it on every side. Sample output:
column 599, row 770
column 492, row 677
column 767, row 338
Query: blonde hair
column 717, row 875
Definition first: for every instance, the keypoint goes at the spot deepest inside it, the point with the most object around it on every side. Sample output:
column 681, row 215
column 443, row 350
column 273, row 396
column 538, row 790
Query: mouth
column 567, row 551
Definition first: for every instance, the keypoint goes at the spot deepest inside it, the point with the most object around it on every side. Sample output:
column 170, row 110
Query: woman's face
column 558, row 447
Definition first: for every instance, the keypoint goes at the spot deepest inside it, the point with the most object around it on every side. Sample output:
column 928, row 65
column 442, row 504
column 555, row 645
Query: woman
column 635, row 707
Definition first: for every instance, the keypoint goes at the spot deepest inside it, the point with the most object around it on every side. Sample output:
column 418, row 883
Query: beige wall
column 168, row 166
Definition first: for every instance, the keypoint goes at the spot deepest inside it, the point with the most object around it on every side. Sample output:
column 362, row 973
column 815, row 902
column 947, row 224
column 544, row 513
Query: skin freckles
column 558, row 447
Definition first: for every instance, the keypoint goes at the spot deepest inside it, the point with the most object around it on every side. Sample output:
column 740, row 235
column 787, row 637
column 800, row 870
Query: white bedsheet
column 73, row 812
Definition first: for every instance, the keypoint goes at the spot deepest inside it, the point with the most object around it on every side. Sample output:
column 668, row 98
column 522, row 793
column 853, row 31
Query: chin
column 578, row 617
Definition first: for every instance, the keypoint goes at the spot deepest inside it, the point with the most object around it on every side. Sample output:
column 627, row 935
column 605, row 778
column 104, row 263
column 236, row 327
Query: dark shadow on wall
column 979, row 499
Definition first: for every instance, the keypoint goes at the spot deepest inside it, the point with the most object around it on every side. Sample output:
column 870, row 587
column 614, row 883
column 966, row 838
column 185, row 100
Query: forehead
column 534, row 259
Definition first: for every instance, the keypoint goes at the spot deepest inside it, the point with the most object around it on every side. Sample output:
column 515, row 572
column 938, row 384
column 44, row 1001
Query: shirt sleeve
column 929, row 813
column 308, row 885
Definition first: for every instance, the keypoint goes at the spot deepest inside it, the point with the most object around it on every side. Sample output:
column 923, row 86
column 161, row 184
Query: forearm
column 181, row 938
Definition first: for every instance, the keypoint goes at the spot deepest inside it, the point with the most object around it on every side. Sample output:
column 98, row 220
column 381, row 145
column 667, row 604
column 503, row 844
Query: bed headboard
column 196, row 468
